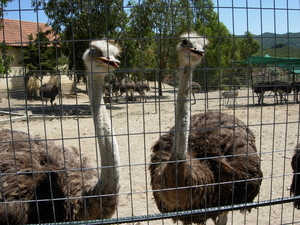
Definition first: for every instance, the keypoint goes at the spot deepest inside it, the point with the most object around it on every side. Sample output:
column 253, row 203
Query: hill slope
column 279, row 45
column 268, row 40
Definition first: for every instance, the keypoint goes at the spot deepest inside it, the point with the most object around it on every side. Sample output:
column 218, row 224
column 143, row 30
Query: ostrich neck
column 109, row 152
column 182, row 115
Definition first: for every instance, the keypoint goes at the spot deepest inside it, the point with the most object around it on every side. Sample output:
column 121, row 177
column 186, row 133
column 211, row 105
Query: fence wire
column 101, row 151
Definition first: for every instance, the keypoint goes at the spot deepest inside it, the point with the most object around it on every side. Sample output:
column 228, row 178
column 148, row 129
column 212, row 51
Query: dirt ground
column 138, row 125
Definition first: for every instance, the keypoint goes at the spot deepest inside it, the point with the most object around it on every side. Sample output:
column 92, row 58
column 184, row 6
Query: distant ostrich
column 49, row 92
column 260, row 88
column 115, row 90
column 296, row 89
column 195, row 88
column 211, row 162
column 106, row 88
column 127, row 86
column 295, row 186
column 106, row 91
column 281, row 87
column 111, row 90
column 42, row 183
column 141, row 87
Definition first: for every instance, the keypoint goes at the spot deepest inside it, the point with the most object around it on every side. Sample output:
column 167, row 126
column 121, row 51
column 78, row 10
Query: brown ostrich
column 296, row 89
column 42, row 183
column 48, row 92
column 207, row 160
column 141, row 87
column 195, row 88
column 111, row 90
column 107, row 91
column 127, row 86
column 295, row 186
column 115, row 90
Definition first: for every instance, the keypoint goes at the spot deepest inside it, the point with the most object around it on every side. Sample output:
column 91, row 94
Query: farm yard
column 138, row 125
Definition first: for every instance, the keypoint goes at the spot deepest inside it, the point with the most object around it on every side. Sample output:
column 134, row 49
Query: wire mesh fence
column 154, row 113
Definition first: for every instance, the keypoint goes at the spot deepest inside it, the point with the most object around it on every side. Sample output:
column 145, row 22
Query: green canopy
column 291, row 62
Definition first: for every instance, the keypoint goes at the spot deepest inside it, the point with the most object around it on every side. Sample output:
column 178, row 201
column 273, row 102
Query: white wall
column 15, row 83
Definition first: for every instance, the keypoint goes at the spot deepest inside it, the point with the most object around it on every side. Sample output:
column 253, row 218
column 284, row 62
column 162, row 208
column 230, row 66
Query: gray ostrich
column 41, row 182
column 207, row 160
column 48, row 92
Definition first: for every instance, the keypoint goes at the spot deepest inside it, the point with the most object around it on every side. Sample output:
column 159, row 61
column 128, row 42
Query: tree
column 78, row 21
column 40, row 55
column 3, row 5
column 5, row 60
column 152, row 27
column 247, row 45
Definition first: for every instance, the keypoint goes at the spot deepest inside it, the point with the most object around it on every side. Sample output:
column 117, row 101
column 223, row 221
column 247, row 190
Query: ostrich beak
column 109, row 60
column 197, row 51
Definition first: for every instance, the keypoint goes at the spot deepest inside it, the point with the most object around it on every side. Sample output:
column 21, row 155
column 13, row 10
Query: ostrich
column 127, row 86
column 295, row 186
column 260, row 88
column 106, row 91
column 282, row 88
column 42, row 183
column 214, row 164
column 296, row 89
column 141, row 87
column 115, row 90
column 48, row 92
column 111, row 90
column 195, row 88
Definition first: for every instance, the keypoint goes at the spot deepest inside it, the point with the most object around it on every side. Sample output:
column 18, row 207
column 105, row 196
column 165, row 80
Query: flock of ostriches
column 115, row 89
column 206, row 160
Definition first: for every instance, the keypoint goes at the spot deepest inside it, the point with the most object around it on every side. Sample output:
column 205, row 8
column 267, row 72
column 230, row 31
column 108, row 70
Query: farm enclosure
column 228, row 149
column 276, row 129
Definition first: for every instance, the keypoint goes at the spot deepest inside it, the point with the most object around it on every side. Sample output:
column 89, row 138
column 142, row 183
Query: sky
column 256, row 16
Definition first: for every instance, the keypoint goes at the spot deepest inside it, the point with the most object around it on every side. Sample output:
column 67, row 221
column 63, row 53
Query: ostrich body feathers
column 32, row 170
column 41, row 182
column 222, row 167
column 295, row 186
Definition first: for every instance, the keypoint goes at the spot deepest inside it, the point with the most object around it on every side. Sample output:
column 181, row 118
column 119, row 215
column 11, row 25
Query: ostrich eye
column 94, row 52
column 184, row 42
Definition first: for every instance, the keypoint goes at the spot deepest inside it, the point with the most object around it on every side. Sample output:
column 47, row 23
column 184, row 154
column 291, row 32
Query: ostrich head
column 191, row 49
column 101, row 57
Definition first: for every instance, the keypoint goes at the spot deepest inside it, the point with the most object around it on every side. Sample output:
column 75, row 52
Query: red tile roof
column 15, row 32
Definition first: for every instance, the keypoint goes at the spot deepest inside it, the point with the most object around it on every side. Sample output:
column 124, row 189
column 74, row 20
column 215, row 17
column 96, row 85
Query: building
column 15, row 33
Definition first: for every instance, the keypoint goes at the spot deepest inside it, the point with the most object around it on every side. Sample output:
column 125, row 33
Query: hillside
column 268, row 40
column 279, row 45
column 285, row 52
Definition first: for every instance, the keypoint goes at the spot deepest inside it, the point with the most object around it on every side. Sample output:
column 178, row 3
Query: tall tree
column 5, row 60
column 40, row 55
column 79, row 21
column 153, row 25
column 223, row 48
column 247, row 45
column 3, row 4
